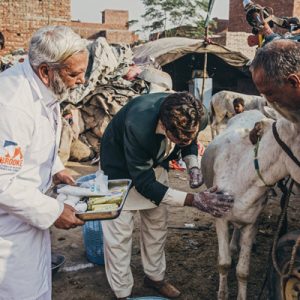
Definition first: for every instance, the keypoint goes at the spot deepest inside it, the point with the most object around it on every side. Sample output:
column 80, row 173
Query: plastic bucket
column 149, row 298
column 93, row 242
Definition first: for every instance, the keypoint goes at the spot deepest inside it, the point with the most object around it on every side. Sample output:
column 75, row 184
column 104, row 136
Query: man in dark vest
column 138, row 143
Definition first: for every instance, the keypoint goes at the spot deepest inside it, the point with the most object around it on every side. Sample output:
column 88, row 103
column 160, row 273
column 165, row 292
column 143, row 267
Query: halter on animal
column 284, row 147
column 256, row 164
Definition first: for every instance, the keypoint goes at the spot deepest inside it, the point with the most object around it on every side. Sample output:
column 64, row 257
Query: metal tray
column 107, row 215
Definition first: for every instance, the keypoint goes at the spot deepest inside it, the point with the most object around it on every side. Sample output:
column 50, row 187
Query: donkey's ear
column 256, row 133
column 259, row 129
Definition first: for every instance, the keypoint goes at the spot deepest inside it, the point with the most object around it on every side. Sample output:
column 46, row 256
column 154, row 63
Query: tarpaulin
column 166, row 50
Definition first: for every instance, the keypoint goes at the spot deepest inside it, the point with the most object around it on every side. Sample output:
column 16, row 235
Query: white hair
column 53, row 45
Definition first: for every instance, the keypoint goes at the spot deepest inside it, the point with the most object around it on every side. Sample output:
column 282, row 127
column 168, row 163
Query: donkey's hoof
column 222, row 295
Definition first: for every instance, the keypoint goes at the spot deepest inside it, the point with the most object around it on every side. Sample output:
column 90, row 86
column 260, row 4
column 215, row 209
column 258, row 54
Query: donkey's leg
column 217, row 129
column 235, row 240
column 212, row 131
column 214, row 128
column 224, row 260
column 242, row 270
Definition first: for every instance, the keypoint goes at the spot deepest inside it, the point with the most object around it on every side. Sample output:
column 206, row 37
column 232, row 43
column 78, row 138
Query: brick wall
column 117, row 35
column 237, row 41
column 85, row 30
column 221, row 25
column 296, row 12
column 92, row 30
column 113, row 17
column 19, row 19
column 239, row 29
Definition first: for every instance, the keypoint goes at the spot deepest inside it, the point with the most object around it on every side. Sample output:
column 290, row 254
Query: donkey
column 228, row 162
column 221, row 107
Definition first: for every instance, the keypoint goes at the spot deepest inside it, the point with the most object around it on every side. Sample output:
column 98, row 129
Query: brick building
column 238, row 30
column 20, row 18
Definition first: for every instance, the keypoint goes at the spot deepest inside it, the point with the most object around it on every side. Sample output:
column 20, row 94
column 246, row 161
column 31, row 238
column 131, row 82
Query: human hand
column 266, row 30
column 133, row 72
column 196, row 178
column 63, row 177
column 214, row 202
column 67, row 219
column 256, row 133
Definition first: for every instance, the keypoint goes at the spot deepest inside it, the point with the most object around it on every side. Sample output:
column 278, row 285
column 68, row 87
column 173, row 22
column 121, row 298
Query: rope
column 282, row 215
column 294, row 253
column 272, row 255
column 256, row 164
column 284, row 146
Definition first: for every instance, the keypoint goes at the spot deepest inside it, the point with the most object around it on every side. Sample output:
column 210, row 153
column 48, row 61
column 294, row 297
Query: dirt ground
column 191, row 253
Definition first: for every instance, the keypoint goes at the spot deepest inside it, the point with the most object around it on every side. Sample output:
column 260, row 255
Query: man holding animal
column 275, row 71
column 276, row 74
column 138, row 143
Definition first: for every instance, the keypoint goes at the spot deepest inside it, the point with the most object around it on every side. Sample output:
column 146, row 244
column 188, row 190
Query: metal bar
column 210, row 7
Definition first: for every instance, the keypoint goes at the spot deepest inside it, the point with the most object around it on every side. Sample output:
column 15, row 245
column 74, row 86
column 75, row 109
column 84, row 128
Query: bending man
column 138, row 144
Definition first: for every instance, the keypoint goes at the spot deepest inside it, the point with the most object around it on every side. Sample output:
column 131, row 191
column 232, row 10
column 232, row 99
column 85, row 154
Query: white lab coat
column 29, row 139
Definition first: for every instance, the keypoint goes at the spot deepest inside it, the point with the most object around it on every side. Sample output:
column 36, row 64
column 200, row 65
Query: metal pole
column 210, row 7
column 204, row 68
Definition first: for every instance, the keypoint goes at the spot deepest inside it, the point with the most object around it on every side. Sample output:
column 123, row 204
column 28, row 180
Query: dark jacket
column 131, row 148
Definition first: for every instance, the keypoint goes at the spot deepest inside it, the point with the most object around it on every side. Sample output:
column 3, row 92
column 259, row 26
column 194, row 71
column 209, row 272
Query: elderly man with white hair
column 29, row 139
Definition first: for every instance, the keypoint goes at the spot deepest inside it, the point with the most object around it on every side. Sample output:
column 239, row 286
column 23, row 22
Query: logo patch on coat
column 11, row 156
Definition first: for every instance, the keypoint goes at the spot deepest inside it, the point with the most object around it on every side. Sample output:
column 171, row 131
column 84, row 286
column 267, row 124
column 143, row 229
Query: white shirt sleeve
column 174, row 197
column 191, row 161
column 58, row 165
column 19, row 195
